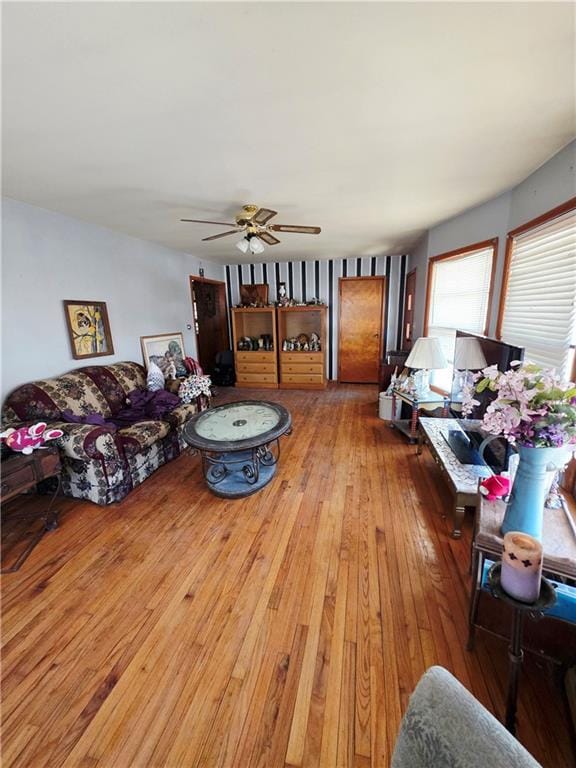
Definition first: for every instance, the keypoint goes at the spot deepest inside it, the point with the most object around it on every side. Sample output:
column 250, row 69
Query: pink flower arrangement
column 533, row 407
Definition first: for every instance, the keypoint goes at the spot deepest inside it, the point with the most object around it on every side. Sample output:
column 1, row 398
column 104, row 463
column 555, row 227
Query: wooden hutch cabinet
column 256, row 367
column 302, row 369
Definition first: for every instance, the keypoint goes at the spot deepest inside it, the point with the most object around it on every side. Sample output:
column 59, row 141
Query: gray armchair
column 446, row 727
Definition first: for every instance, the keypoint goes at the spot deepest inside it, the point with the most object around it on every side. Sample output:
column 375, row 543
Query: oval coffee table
column 239, row 444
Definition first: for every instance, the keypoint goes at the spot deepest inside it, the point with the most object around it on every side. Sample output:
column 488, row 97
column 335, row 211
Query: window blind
column 459, row 297
column 540, row 303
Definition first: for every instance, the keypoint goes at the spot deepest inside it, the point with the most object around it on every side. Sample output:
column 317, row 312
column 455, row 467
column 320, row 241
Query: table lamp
column 426, row 355
column 468, row 356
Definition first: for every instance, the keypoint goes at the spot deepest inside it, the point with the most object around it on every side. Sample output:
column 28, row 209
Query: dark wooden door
column 361, row 328
column 209, row 306
column 409, row 299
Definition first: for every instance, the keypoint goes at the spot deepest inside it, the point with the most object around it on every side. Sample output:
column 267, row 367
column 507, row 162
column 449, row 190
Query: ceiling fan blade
column 203, row 221
column 222, row 234
column 263, row 215
column 295, row 228
column 268, row 238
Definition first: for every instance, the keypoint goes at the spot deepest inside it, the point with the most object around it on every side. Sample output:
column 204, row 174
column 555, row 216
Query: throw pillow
column 155, row 378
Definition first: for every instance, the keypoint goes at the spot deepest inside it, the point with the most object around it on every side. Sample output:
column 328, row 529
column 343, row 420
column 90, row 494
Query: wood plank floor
column 287, row 628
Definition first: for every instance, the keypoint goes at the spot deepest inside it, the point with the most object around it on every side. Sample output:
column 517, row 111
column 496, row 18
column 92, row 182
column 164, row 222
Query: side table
column 428, row 402
column 19, row 474
column 546, row 599
column 558, row 541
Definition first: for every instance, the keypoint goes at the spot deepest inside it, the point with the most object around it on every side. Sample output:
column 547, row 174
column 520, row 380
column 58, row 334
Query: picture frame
column 163, row 349
column 254, row 294
column 88, row 328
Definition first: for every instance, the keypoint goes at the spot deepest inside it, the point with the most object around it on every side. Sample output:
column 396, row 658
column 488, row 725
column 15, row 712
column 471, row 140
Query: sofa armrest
column 181, row 414
column 85, row 441
column 445, row 725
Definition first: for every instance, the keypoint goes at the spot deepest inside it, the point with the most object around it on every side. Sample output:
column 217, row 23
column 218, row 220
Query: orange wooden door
column 361, row 328
column 410, row 298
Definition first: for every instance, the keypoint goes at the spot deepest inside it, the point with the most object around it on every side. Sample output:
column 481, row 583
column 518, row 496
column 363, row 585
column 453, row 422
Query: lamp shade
column 242, row 245
column 468, row 355
column 426, row 353
column 256, row 245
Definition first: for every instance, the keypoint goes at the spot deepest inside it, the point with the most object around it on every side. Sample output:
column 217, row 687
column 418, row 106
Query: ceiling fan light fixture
column 242, row 245
column 256, row 245
column 253, row 221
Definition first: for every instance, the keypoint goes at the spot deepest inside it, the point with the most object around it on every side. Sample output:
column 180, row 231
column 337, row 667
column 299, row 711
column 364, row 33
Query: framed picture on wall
column 88, row 328
column 164, row 349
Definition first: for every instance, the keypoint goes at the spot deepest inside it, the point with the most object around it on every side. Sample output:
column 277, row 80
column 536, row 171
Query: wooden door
column 409, row 299
column 211, row 323
column 361, row 328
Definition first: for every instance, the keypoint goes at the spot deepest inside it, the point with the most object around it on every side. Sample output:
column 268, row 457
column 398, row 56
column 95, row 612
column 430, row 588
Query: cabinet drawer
column 18, row 481
column 302, row 378
column 255, row 357
column 302, row 368
column 254, row 378
column 302, row 357
column 242, row 367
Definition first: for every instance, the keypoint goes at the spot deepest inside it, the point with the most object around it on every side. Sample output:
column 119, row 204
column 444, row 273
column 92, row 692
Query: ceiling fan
column 253, row 222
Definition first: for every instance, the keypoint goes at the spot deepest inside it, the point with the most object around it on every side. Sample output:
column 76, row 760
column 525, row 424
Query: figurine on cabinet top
column 267, row 342
column 315, row 342
column 282, row 296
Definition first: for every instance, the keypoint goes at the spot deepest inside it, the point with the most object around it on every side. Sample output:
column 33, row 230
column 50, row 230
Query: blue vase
column 525, row 510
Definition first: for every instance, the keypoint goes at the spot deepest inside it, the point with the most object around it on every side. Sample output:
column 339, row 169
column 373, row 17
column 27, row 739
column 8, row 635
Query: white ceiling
column 372, row 120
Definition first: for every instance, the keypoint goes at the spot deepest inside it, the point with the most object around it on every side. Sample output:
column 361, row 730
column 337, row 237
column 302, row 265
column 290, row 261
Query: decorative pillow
column 194, row 386
column 155, row 378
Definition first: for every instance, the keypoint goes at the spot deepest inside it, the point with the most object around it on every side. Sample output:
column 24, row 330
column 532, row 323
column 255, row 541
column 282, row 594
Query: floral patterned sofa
column 100, row 463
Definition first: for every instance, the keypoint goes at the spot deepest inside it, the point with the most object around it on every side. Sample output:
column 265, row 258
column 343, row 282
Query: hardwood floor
column 290, row 627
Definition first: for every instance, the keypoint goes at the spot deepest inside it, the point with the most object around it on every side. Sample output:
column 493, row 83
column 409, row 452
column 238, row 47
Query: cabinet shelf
column 257, row 368
column 302, row 369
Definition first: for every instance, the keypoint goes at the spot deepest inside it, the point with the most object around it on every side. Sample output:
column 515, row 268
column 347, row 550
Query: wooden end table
column 22, row 472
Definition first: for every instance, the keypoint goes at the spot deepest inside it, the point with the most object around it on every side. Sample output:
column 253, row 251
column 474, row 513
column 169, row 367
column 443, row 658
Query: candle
column 521, row 566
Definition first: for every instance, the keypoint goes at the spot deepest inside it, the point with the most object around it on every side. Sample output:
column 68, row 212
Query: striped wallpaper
column 306, row 280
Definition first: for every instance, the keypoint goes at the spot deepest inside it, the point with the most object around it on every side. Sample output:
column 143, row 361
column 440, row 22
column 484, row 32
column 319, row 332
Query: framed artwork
column 254, row 294
column 164, row 349
column 88, row 329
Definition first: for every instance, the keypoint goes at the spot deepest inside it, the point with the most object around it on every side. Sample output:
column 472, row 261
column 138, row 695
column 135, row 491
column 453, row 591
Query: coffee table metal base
column 235, row 474
column 240, row 445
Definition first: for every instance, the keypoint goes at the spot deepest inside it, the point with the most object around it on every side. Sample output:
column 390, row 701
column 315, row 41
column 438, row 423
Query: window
column 538, row 304
column 459, row 295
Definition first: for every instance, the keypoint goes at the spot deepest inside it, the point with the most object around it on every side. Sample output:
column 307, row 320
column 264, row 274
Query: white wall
column 47, row 257
column 551, row 185
column 419, row 262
